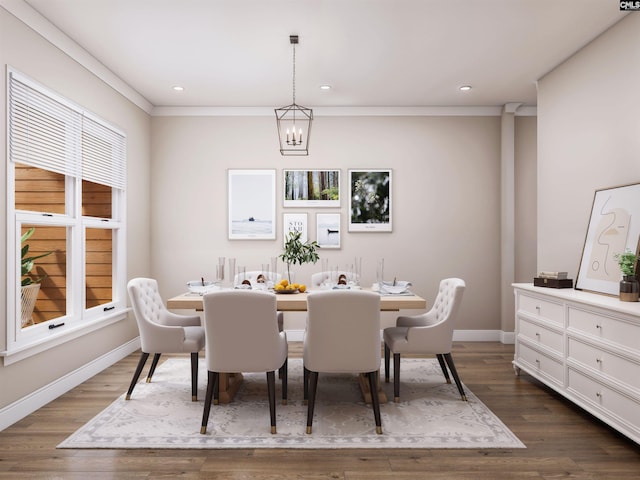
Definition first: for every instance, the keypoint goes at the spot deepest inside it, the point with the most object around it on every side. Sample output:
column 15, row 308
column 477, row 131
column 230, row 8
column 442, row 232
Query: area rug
column 161, row 414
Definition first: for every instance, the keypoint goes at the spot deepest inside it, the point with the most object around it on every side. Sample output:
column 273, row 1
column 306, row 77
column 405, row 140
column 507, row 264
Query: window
column 66, row 187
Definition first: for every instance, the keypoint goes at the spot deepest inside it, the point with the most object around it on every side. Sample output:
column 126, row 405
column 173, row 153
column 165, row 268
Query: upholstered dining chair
column 162, row 331
column 242, row 335
column 428, row 333
column 342, row 336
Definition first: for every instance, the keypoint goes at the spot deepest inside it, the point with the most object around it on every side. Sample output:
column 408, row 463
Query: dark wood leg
column 454, row 372
column 136, row 374
column 396, row 377
column 313, row 387
column 305, row 385
column 285, row 380
column 387, row 354
column 375, row 402
column 194, row 376
column 212, row 381
column 216, row 389
column 443, row 366
column 154, row 364
column 271, row 388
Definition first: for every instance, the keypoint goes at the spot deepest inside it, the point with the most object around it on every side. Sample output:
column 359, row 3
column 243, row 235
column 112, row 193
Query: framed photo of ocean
column 614, row 226
column 370, row 201
column 311, row 188
column 252, row 204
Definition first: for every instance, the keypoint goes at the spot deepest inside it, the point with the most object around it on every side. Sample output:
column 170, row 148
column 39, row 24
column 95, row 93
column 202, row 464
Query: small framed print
column 295, row 222
column 370, row 201
column 328, row 230
column 252, row 204
column 311, row 188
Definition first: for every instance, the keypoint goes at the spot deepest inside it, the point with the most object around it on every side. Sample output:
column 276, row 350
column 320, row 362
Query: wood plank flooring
column 563, row 442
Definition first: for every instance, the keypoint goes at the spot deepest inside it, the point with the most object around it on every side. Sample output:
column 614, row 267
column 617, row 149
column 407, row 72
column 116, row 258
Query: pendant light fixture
column 294, row 121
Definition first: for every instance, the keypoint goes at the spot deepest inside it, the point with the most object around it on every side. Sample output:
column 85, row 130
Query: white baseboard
column 458, row 335
column 32, row 402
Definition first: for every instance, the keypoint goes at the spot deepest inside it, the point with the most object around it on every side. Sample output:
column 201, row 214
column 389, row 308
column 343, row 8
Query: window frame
column 78, row 320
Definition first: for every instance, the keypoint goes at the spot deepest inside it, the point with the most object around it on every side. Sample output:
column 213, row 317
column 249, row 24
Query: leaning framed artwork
column 328, row 230
column 370, row 197
column 252, row 204
column 614, row 226
column 311, row 188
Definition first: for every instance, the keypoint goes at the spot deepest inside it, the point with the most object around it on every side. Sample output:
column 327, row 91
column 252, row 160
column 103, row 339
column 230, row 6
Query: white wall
column 446, row 190
column 588, row 139
column 31, row 54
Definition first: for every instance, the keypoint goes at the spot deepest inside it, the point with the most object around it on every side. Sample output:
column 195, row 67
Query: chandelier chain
column 294, row 73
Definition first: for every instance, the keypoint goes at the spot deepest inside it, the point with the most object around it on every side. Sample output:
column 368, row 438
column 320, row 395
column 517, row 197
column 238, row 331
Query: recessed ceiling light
column 465, row 88
column 325, row 87
column 178, row 88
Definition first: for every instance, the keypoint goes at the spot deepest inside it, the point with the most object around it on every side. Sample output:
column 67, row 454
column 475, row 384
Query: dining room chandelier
column 294, row 121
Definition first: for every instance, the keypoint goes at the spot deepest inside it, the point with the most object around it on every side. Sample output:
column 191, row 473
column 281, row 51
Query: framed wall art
column 311, row 188
column 295, row 222
column 328, row 230
column 370, row 199
column 614, row 226
column 252, row 204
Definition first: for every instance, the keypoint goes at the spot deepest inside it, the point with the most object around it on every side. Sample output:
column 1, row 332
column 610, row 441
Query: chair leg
column 194, row 376
column 454, row 372
column 212, row 381
column 313, row 381
column 375, row 400
column 396, row 377
column 285, row 380
column 136, row 374
column 271, row 389
column 154, row 364
column 305, row 385
column 216, row 390
column 443, row 366
column 387, row 354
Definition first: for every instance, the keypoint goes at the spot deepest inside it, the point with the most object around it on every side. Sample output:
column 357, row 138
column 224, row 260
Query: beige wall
column 446, row 198
column 588, row 139
column 28, row 52
column 525, row 199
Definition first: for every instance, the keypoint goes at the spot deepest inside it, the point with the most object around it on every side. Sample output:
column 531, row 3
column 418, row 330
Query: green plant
column 297, row 252
column 28, row 262
column 627, row 262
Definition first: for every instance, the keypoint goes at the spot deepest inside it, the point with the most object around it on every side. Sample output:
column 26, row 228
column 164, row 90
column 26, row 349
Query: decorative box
column 553, row 282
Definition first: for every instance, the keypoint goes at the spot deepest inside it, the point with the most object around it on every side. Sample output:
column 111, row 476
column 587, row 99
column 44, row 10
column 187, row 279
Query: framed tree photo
column 295, row 222
column 370, row 201
column 311, row 188
column 328, row 230
column 252, row 204
column 614, row 226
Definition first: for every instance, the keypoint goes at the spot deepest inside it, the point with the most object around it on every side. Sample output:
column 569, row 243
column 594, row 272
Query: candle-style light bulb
column 300, row 135
column 287, row 135
column 294, row 135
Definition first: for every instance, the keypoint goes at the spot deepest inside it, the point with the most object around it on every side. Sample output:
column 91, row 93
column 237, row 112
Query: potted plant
column 629, row 286
column 30, row 285
column 296, row 252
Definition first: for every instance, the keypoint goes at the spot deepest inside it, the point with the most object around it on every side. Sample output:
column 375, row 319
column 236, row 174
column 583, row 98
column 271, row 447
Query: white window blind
column 55, row 136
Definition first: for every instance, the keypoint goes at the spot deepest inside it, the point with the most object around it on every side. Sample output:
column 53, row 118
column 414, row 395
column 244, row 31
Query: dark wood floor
column 563, row 442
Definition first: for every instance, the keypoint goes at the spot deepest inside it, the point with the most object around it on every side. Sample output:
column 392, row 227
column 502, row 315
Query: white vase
column 28, row 298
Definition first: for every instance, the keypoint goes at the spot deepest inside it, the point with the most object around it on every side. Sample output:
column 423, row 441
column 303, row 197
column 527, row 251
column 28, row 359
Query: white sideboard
column 585, row 346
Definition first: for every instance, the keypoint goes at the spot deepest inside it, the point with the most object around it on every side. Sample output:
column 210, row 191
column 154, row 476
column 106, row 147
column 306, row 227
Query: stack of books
column 553, row 280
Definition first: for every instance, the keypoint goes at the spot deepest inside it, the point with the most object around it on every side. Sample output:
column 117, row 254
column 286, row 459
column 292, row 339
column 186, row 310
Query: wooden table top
column 297, row 302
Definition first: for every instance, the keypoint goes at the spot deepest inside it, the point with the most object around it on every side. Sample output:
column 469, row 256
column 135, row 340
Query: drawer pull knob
column 598, row 394
column 598, row 326
column 538, row 308
column 598, row 360
column 538, row 361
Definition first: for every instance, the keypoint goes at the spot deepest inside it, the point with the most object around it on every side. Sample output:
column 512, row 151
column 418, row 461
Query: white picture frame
column 252, row 204
column 328, row 230
column 370, row 200
column 311, row 188
column 295, row 222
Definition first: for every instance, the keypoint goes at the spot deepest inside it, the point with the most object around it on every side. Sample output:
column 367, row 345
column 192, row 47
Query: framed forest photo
column 311, row 188
column 370, row 201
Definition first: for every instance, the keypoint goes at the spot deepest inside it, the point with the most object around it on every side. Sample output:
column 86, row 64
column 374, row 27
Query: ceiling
column 374, row 53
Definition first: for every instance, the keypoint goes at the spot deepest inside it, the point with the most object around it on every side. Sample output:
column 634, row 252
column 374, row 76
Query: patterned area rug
column 161, row 415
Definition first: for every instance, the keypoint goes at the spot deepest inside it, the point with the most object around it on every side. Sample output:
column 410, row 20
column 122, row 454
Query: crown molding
column 30, row 17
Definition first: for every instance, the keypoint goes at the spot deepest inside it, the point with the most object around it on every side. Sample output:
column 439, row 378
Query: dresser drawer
column 553, row 312
column 541, row 364
column 622, row 369
column 541, row 335
column 621, row 407
column 603, row 327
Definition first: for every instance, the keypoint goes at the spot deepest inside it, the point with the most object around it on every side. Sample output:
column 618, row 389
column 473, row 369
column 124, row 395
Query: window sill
column 71, row 332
